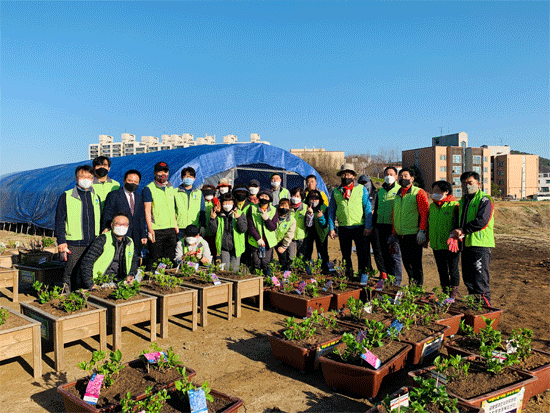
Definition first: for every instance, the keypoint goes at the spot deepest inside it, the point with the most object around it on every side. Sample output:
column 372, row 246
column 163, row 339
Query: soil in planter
column 197, row 281
column 12, row 322
column 134, row 379
column 233, row 276
column 372, row 316
column 463, row 308
column 179, row 403
column 534, row 361
column 321, row 335
column 162, row 290
column 418, row 333
column 470, row 344
column 337, row 290
column 106, row 292
column 55, row 308
column 431, row 408
column 384, row 353
column 304, row 295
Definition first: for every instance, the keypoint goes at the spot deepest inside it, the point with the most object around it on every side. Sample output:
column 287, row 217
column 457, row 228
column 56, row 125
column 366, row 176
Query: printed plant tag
column 309, row 312
column 286, row 274
column 327, row 286
column 330, row 266
column 431, row 347
column 194, row 265
column 440, row 378
column 398, row 297
column 511, row 401
column 215, row 279
column 364, row 279
column 361, row 335
column 379, row 285
column 395, row 324
column 370, row 358
column 399, row 401
column 448, row 301
column 153, row 358
column 139, row 276
column 301, row 287
column 92, row 389
column 511, row 347
column 275, row 281
column 42, row 260
column 197, row 401
column 313, row 280
column 499, row 355
column 368, row 308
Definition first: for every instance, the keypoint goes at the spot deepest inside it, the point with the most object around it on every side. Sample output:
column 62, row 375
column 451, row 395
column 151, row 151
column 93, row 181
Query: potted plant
column 441, row 302
column 20, row 335
column 172, row 298
column 245, row 285
column 297, row 299
column 65, row 318
column 356, row 312
column 125, row 305
column 48, row 245
column 347, row 368
column 475, row 312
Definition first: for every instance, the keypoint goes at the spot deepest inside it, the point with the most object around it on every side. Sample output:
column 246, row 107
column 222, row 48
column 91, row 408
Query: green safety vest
column 188, row 208
column 102, row 189
column 300, row 215
column 405, row 212
column 238, row 238
column 441, row 222
column 385, row 204
column 322, row 231
column 485, row 237
column 73, row 222
column 163, row 210
column 350, row 212
column 283, row 226
column 107, row 256
column 258, row 221
column 208, row 205
column 284, row 193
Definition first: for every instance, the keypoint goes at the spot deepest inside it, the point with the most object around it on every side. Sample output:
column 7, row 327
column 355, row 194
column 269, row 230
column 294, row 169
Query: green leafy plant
column 4, row 314
column 355, row 307
column 452, row 367
column 428, row 392
column 75, row 301
column 491, row 341
column 299, row 331
column 152, row 403
column 45, row 295
column 110, row 368
column 312, row 289
column 165, row 261
column 165, row 281
column 184, row 385
column 376, row 336
column 164, row 363
column 48, row 242
column 125, row 291
column 101, row 278
column 465, row 329
column 473, row 302
column 520, row 340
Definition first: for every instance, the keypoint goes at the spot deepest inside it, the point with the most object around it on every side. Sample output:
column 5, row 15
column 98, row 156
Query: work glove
column 453, row 244
column 421, row 237
column 265, row 215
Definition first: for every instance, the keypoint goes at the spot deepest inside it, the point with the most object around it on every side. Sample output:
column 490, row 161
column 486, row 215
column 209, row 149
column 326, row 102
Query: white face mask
column 437, row 197
column 227, row 208
column 472, row 189
column 120, row 230
column 224, row 190
column 275, row 184
column 389, row 179
column 190, row 240
column 85, row 183
column 295, row 200
column 253, row 190
column 314, row 203
column 209, row 197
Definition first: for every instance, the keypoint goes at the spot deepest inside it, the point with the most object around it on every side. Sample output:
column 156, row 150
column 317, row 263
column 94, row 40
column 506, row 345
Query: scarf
column 448, row 198
column 347, row 191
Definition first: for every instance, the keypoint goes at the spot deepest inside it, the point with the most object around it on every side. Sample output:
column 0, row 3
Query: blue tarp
column 30, row 197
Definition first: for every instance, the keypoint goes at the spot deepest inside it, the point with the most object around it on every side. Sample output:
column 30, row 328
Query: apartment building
column 516, row 175
column 544, row 183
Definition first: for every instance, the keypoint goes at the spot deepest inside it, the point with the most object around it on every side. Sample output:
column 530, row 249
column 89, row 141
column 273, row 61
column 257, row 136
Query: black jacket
column 117, row 202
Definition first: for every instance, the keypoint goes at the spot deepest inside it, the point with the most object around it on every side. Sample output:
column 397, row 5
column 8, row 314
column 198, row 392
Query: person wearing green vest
column 230, row 226
column 383, row 220
column 277, row 191
column 102, row 183
column 350, row 204
column 286, row 228
column 442, row 218
column 193, row 245
column 299, row 209
column 475, row 229
column 210, row 200
column 410, row 222
column 160, row 216
column 111, row 253
column 317, row 227
column 77, row 222
column 262, row 224
column 190, row 205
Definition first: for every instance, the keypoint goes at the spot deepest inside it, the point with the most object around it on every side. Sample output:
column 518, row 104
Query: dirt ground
column 235, row 357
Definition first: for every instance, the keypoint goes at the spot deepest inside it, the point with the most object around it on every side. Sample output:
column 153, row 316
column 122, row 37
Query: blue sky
column 352, row 76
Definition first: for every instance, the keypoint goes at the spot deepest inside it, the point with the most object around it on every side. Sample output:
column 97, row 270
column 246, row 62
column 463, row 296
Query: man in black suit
column 127, row 200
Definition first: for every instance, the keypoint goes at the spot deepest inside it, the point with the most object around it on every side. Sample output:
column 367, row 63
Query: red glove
column 453, row 244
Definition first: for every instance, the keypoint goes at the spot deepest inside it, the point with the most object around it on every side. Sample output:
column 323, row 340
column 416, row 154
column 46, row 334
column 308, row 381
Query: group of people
column 103, row 227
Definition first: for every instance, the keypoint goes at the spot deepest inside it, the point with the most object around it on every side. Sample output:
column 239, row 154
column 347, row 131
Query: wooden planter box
column 210, row 295
column 72, row 327
column 9, row 277
column 22, row 340
column 7, row 260
column 127, row 314
column 172, row 304
column 297, row 304
column 46, row 275
column 247, row 287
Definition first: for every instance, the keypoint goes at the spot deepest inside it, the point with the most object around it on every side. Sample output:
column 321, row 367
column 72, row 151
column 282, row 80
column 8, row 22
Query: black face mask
column 346, row 181
column 208, row 192
column 101, row 172
column 404, row 182
column 130, row 187
column 283, row 211
column 264, row 201
column 240, row 196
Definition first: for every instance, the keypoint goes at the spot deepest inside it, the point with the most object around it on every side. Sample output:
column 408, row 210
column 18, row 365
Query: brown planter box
column 430, row 346
column 127, row 314
column 22, row 340
column 358, row 380
column 74, row 404
column 210, row 295
column 452, row 322
column 301, row 358
column 485, row 401
column 47, row 275
column 173, row 304
column 9, row 277
column 339, row 299
column 234, row 403
column 298, row 305
column 542, row 373
column 476, row 321
column 72, row 327
column 247, row 287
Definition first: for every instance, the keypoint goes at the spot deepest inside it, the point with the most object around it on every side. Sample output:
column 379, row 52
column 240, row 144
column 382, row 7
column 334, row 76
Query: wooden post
column 15, row 296
column 59, row 345
column 230, row 301
column 103, row 331
column 194, row 312
column 237, row 294
column 163, row 317
column 261, row 299
column 204, row 307
column 153, row 306
column 37, row 351
column 117, row 329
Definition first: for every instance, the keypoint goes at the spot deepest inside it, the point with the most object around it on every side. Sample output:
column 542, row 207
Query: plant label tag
column 325, row 348
column 432, row 346
column 368, row 308
column 370, row 358
column 509, row 402
column 92, row 389
column 178, row 266
column 398, row 297
column 330, row 266
column 301, row 287
column 275, row 281
column 109, row 285
column 364, row 279
column 309, row 312
column 440, row 378
column 448, row 301
column 215, row 279
column 42, row 260
column 313, row 280
column 400, row 401
column 500, row 356
column 511, row 348
column 379, row 285
column 395, row 324
column 194, row 265
column 327, row 286
column 361, row 335
column 286, row 274
column 139, row 276
column 153, row 358
column 197, row 401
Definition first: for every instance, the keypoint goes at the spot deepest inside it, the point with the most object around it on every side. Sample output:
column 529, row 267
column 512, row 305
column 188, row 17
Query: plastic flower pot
column 452, row 322
column 477, row 322
column 427, row 347
column 298, row 304
column 339, row 299
column 542, row 373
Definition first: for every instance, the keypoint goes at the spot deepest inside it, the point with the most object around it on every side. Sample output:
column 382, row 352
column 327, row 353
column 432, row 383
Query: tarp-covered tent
column 30, row 197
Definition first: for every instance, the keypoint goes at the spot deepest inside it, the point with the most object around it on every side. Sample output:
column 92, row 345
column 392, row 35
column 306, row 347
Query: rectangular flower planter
column 452, row 322
column 31, row 258
column 128, row 313
column 49, row 275
column 245, row 288
column 210, row 295
column 476, row 321
column 428, row 347
column 74, row 404
column 22, row 340
column 542, row 373
column 339, row 299
column 297, row 304
column 172, row 304
column 72, row 327
column 233, row 403
column 358, row 380
column 9, row 277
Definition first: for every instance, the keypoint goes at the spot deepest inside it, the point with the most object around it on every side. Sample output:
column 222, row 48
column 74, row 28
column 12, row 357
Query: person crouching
column 193, row 245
